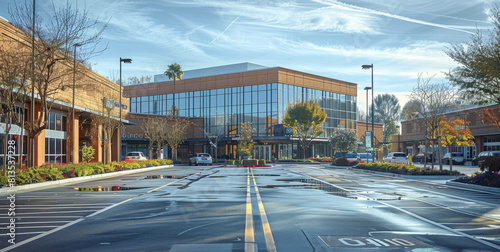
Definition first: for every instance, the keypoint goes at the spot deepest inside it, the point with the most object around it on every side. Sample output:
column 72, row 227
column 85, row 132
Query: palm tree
column 174, row 71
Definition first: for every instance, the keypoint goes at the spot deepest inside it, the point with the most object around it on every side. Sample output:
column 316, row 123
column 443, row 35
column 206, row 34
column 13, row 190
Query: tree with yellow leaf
column 455, row 132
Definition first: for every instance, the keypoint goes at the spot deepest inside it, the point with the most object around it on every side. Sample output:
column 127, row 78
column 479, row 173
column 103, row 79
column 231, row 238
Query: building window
column 57, row 122
column 55, row 150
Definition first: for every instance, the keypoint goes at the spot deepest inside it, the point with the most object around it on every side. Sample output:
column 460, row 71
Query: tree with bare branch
column 155, row 129
column 14, row 72
column 54, row 42
column 434, row 100
column 176, row 133
column 215, row 137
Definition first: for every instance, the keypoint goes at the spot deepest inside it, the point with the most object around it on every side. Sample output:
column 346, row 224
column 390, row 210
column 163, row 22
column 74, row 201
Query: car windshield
column 133, row 154
column 365, row 156
column 458, row 154
column 351, row 155
column 399, row 155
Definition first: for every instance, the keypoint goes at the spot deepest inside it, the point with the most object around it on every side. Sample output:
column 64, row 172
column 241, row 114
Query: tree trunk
column 21, row 138
column 439, row 154
column 451, row 158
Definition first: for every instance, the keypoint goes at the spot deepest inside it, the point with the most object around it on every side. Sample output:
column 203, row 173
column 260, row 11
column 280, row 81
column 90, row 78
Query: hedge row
column 404, row 169
column 239, row 162
column 53, row 172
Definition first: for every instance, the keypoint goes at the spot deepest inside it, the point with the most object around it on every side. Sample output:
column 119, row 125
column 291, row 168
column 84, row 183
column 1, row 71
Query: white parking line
column 442, row 226
column 41, row 235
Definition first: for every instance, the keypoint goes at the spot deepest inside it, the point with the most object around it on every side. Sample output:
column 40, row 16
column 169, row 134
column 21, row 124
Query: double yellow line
column 249, row 232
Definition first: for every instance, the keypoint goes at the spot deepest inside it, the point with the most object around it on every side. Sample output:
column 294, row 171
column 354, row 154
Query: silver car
column 396, row 157
column 200, row 158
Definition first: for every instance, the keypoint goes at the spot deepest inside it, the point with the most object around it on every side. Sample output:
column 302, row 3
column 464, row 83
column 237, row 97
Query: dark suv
column 419, row 158
column 479, row 160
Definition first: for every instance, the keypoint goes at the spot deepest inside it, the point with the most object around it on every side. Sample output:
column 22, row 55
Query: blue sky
column 325, row 37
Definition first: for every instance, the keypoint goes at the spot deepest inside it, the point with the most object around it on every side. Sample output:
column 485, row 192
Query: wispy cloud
column 218, row 36
column 395, row 16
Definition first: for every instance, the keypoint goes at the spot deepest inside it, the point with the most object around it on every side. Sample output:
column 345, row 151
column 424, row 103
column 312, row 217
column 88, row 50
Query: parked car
column 365, row 156
column 352, row 157
column 455, row 157
column 135, row 155
column 419, row 158
column 200, row 158
column 396, row 157
column 339, row 154
column 479, row 160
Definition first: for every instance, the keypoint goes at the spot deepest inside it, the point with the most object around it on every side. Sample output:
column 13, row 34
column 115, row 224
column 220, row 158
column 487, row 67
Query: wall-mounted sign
column 109, row 103
column 288, row 131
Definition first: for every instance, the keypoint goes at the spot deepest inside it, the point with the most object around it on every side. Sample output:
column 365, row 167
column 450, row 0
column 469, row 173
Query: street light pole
column 31, row 137
column 73, row 110
column 367, row 88
column 373, row 108
column 120, row 127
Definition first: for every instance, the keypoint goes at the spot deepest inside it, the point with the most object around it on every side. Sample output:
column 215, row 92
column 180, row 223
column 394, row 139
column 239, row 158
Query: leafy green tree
column 478, row 76
column 386, row 107
column 174, row 71
column 245, row 145
column 389, row 130
column 343, row 141
column 305, row 119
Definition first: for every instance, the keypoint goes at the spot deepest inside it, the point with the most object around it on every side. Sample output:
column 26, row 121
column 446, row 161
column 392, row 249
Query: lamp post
column 367, row 88
column 127, row 61
column 373, row 108
column 73, row 109
column 31, row 157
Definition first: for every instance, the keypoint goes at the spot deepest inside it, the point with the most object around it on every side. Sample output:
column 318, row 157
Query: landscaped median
column 54, row 172
column 248, row 163
column 404, row 169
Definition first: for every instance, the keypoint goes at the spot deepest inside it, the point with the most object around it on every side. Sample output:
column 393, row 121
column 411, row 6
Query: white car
column 135, row 155
column 396, row 157
column 200, row 158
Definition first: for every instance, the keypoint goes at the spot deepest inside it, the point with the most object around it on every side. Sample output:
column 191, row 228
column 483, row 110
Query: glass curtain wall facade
column 264, row 105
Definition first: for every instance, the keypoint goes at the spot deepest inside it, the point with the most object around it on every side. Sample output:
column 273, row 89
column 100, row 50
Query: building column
column 115, row 146
column 96, row 144
column 39, row 156
column 40, row 149
column 73, row 139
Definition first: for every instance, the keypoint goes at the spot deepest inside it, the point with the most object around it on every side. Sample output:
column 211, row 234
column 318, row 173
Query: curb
column 429, row 177
column 473, row 186
column 79, row 179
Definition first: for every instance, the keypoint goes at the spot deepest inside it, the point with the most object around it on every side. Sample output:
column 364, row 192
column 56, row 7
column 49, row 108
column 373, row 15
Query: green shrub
column 250, row 162
column 404, row 169
column 230, row 162
column 88, row 153
column 262, row 162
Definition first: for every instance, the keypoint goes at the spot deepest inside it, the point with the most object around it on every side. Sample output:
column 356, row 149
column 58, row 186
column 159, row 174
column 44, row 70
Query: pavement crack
column 307, row 238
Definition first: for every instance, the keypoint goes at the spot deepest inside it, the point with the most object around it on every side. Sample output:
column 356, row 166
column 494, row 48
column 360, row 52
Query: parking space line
column 442, row 226
column 249, row 232
column 268, row 235
column 83, row 218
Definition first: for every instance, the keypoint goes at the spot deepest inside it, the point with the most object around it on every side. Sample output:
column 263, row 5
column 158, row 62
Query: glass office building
column 264, row 105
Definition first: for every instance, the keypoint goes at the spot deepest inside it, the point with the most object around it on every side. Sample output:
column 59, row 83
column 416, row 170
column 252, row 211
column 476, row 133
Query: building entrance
column 262, row 152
